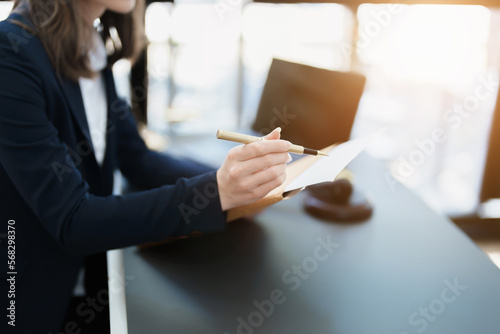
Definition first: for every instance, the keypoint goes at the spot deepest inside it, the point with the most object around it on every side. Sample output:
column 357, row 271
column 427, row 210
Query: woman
column 63, row 131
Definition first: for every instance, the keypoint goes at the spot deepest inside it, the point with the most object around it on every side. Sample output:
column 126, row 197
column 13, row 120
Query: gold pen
column 247, row 139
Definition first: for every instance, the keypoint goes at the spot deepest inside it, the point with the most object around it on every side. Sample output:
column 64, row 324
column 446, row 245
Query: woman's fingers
column 259, row 163
column 271, row 177
column 275, row 134
column 257, row 149
column 265, row 188
column 250, row 188
column 269, row 144
column 251, row 171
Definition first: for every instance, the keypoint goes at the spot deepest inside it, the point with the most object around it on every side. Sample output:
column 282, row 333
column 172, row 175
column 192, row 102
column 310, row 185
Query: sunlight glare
column 432, row 43
column 158, row 22
column 5, row 8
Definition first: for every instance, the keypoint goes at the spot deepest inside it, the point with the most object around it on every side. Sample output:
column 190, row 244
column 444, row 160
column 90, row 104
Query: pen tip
column 323, row 154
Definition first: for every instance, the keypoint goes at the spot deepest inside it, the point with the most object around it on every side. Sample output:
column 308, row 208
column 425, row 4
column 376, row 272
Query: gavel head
column 336, row 192
column 337, row 201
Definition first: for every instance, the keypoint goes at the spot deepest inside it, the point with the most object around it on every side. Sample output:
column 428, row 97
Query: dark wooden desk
column 406, row 270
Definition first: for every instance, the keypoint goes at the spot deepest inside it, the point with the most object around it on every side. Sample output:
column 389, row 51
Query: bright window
column 5, row 8
column 426, row 69
column 432, row 77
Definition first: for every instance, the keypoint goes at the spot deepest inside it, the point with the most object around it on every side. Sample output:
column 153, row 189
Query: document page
column 327, row 168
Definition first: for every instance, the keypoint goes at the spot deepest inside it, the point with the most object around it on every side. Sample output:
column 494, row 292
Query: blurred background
column 428, row 67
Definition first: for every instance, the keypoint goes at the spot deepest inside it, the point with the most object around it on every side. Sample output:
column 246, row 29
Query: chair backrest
column 314, row 107
column 491, row 177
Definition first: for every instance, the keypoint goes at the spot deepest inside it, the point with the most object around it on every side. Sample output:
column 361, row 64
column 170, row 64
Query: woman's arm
column 248, row 173
column 32, row 155
column 251, row 171
column 144, row 168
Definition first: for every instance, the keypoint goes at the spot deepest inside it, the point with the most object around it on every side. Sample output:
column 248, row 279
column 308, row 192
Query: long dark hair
column 66, row 37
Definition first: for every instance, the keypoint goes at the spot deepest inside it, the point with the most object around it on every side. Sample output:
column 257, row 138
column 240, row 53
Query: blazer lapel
column 74, row 98
column 111, row 102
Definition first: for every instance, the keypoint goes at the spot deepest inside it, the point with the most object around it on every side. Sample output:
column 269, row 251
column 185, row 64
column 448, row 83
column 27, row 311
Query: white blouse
column 94, row 99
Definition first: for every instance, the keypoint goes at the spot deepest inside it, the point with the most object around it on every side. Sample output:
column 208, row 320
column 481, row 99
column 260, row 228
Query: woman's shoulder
column 20, row 48
column 18, row 34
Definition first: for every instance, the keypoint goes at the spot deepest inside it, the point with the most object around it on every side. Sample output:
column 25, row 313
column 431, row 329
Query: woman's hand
column 251, row 171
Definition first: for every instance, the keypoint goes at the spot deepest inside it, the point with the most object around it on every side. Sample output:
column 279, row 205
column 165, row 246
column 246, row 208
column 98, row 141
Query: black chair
column 314, row 107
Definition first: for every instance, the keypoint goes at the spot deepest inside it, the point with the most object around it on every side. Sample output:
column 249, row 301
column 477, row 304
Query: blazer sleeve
column 144, row 168
column 30, row 151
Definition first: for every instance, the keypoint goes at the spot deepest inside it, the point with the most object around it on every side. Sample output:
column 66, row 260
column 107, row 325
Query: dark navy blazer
column 60, row 198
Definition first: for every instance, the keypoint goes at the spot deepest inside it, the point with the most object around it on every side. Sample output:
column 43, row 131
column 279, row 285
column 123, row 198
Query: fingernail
column 289, row 158
column 278, row 128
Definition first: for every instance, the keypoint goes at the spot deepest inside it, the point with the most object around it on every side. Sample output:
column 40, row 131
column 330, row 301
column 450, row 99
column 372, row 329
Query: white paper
column 327, row 168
